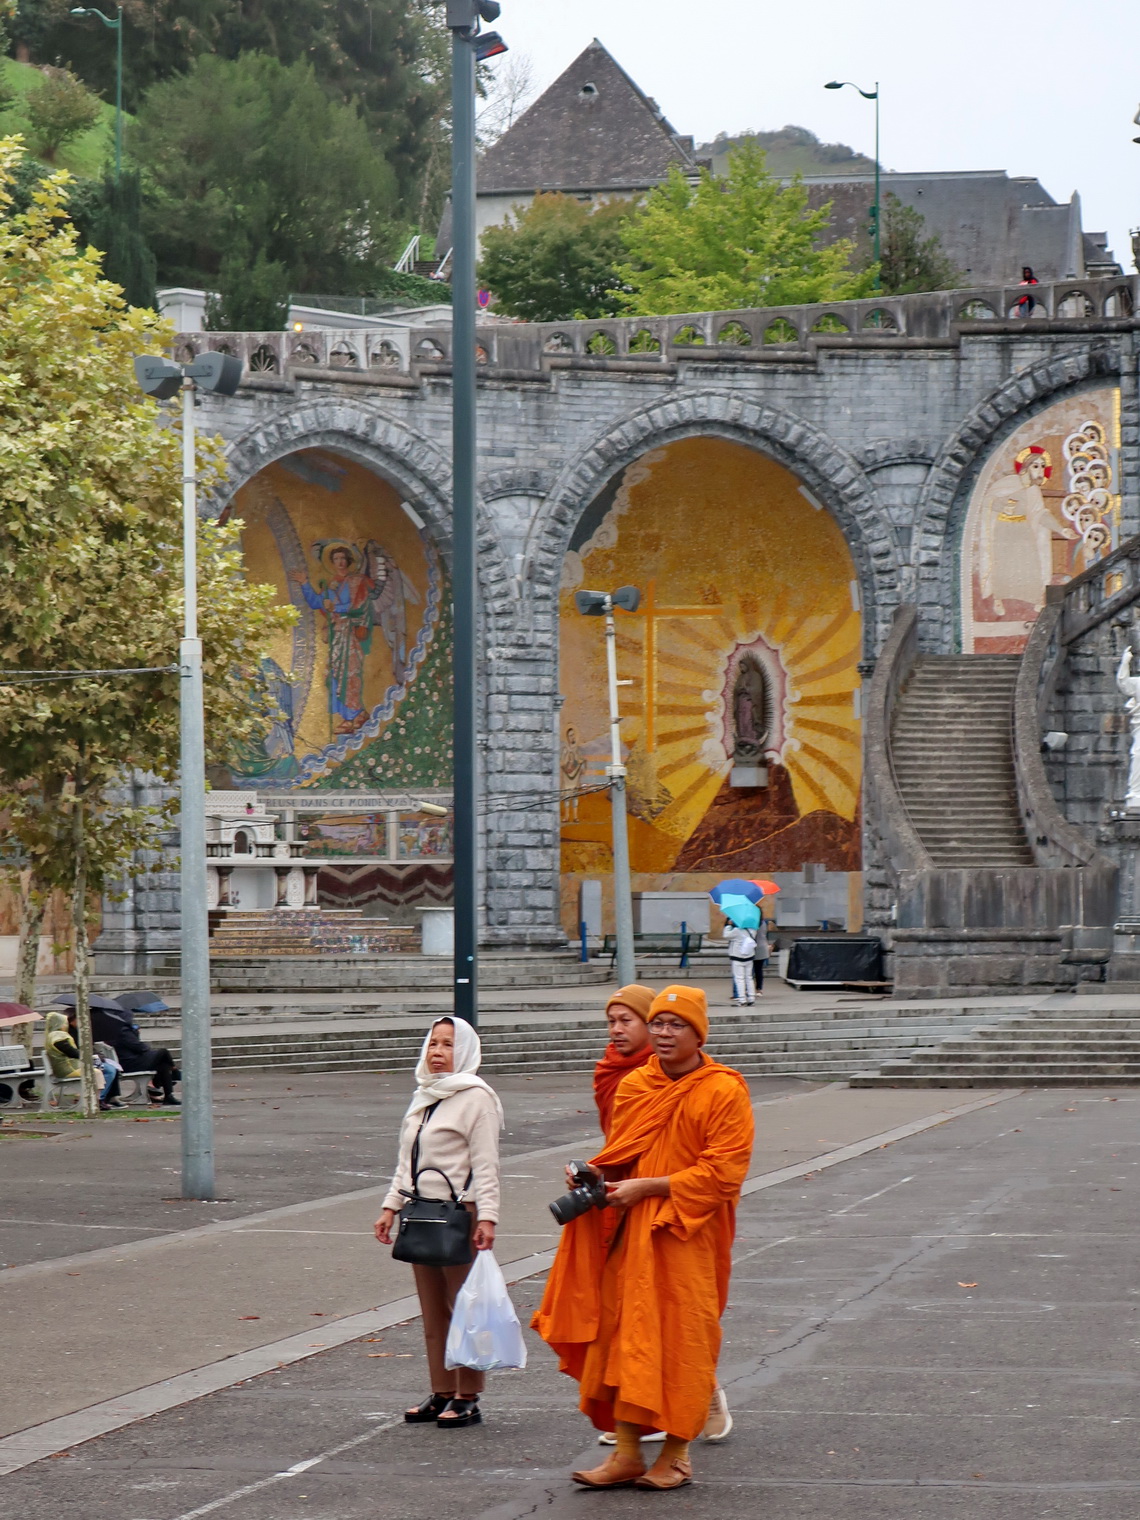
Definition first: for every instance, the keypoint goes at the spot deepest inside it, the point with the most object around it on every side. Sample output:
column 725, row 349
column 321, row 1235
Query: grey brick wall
column 889, row 437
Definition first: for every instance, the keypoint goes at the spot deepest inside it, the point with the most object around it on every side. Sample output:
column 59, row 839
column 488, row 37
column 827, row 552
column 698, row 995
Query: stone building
column 884, row 547
column 593, row 134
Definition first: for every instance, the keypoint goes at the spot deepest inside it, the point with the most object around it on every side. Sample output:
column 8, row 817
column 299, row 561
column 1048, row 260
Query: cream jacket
column 461, row 1136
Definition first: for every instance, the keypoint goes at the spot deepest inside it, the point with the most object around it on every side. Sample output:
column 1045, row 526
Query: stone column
column 522, row 840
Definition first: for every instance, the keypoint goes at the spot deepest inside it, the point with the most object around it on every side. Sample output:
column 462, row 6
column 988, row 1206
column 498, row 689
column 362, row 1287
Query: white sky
column 1043, row 87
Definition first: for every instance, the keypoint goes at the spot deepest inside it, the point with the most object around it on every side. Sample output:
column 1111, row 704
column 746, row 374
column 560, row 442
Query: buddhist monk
column 626, row 1014
column 633, row 1303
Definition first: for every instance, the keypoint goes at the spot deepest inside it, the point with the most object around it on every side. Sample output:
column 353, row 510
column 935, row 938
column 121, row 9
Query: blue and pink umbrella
column 738, row 897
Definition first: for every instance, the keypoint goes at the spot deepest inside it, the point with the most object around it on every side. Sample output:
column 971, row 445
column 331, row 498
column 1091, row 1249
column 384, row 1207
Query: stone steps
column 818, row 1047
column 952, row 759
column 1049, row 1049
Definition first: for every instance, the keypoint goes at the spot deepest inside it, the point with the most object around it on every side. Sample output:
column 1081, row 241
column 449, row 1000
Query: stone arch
column 941, row 513
column 826, row 470
column 396, row 452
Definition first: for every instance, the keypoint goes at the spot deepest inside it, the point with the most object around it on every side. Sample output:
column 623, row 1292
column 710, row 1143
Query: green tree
column 90, row 574
column 744, row 240
column 388, row 57
column 116, row 230
column 250, row 156
column 252, row 296
column 557, row 259
column 910, row 261
column 59, row 110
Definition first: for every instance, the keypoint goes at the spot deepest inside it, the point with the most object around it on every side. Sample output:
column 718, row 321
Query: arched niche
column 741, row 702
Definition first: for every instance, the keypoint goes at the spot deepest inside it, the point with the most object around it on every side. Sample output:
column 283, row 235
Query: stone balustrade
column 401, row 355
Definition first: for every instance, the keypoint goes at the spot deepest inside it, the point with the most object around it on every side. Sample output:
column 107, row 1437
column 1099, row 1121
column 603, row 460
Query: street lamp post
column 602, row 604
column 877, row 213
column 117, row 27
column 220, row 374
column 469, row 46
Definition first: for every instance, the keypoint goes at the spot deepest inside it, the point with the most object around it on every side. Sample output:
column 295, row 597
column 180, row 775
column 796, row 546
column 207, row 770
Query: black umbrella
column 142, row 1002
column 108, row 1005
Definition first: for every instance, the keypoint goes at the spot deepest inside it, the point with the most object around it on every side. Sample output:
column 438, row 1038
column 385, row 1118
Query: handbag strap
column 415, row 1164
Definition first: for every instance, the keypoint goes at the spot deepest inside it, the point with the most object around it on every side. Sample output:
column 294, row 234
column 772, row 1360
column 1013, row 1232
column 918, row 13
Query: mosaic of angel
column 364, row 590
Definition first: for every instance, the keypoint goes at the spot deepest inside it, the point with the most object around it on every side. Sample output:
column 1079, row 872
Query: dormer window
column 588, row 91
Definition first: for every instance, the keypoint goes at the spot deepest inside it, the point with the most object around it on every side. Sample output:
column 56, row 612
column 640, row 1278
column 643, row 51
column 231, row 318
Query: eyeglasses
column 667, row 1026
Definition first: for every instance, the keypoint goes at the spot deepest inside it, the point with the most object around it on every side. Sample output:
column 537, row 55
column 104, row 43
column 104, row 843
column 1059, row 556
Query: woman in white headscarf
column 457, row 1118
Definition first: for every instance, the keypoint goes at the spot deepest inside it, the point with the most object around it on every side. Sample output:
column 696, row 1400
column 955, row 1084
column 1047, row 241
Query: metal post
column 119, row 98
column 197, row 1085
column 623, row 902
column 878, row 202
column 463, row 569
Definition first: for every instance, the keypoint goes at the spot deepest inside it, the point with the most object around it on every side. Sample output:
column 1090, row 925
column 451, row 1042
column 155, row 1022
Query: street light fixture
column 602, row 604
column 117, row 27
column 877, row 213
column 468, row 46
column 219, row 374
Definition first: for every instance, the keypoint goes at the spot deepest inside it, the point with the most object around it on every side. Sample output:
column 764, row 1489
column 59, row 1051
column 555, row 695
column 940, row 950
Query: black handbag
column 433, row 1232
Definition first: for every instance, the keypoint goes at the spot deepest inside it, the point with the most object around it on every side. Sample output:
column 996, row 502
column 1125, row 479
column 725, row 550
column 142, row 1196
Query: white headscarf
column 433, row 1087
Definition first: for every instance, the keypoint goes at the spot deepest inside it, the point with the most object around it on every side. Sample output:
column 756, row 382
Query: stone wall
column 885, row 423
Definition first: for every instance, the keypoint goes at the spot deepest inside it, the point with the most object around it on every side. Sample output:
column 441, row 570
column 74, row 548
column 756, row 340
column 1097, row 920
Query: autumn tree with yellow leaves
column 91, row 576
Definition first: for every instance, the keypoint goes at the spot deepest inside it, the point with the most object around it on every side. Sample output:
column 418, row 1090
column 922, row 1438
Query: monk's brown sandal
column 678, row 1474
column 617, row 1472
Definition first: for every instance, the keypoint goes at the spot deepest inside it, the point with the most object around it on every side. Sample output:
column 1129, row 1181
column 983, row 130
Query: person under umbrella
column 111, row 1024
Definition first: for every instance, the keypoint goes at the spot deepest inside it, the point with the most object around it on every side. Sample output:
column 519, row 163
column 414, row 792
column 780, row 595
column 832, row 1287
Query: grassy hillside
column 85, row 156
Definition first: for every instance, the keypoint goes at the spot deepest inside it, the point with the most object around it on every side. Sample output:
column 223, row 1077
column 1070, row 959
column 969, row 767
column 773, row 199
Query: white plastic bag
column 485, row 1331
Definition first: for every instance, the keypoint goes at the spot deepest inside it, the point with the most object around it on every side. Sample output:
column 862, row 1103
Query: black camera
column 588, row 1192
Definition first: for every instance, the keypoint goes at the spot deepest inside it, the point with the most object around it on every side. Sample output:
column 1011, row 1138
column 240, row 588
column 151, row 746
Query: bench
column 15, row 1070
column 136, row 1082
column 53, row 1087
column 678, row 944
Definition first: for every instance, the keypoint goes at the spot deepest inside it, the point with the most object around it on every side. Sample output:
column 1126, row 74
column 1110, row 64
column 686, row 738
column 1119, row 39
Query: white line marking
column 836, row 1213
column 290, row 1472
column 804, row 1169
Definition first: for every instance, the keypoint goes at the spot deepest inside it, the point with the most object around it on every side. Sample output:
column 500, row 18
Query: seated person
column 61, row 1046
column 134, row 1054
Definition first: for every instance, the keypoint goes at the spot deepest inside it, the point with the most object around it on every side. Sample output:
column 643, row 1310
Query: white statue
column 1130, row 686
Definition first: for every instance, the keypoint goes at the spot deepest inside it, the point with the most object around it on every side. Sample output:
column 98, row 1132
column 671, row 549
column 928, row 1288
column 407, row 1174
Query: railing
column 401, row 354
column 905, row 849
column 1104, row 591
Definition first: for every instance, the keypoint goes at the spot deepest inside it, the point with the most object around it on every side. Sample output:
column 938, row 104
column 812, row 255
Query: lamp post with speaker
column 219, row 374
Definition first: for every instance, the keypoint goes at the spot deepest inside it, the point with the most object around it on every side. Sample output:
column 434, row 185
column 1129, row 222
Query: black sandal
column 462, row 1412
column 429, row 1409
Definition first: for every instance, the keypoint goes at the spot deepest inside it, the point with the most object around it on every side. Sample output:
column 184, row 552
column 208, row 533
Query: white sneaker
column 719, row 1422
column 607, row 1437
column 737, row 1003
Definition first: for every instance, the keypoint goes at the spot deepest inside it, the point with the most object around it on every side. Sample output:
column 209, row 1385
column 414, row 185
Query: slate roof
column 989, row 224
column 592, row 130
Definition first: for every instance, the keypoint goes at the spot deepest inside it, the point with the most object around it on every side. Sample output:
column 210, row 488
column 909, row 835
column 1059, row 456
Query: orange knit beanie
column 688, row 1003
column 634, row 996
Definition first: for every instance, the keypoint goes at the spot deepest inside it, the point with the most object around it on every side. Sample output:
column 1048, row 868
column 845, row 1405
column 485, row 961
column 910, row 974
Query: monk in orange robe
column 633, row 1303
column 626, row 1014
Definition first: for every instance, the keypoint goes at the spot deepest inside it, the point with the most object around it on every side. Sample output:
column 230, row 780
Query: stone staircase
column 953, row 761
column 823, row 1044
column 395, row 971
column 1036, row 1049
column 289, row 932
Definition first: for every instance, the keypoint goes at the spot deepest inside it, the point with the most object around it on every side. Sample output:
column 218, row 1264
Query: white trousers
column 743, row 983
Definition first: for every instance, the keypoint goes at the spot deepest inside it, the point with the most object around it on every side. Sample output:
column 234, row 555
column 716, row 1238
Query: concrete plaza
column 932, row 1315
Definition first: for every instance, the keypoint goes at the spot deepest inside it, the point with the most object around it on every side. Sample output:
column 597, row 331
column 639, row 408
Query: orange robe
column 632, row 1305
column 608, row 1074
